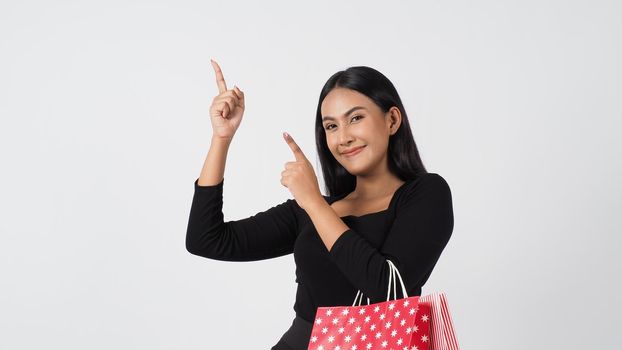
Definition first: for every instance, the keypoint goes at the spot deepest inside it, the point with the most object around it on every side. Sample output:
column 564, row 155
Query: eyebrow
column 345, row 114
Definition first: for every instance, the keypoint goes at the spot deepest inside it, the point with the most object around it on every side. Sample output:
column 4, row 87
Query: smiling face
column 351, row 120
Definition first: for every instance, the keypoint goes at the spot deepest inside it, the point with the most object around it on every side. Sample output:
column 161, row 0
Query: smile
column 353, row 153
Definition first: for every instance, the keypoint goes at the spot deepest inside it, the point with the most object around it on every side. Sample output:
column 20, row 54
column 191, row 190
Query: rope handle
column 392, row 271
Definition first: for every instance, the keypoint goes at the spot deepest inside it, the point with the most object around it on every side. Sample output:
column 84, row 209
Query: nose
column 344, row 137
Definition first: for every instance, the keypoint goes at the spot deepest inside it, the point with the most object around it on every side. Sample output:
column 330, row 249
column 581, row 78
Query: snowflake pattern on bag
column 402, row 324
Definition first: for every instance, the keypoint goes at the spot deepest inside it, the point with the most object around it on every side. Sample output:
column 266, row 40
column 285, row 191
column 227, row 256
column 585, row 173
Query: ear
column 394, row 119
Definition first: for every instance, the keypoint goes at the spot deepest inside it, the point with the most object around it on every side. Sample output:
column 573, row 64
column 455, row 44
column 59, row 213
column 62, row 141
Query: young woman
column 381, row 203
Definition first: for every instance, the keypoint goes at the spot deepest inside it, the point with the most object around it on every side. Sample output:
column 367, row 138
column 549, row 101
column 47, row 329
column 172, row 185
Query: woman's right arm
column 265, row 235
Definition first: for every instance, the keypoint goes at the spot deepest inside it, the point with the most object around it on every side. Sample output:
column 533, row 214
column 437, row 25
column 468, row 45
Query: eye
column 356, row 116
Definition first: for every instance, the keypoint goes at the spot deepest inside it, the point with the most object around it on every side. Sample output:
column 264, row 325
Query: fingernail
column 286, row 135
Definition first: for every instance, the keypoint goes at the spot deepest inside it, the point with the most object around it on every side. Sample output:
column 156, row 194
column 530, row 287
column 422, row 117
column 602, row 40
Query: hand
column 227, row 107
column 299, row 177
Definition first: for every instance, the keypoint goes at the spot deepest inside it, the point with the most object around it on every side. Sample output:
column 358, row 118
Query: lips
column 352, row 150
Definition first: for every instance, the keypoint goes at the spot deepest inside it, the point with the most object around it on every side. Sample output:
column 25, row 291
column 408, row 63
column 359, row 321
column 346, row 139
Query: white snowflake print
column 395, row 325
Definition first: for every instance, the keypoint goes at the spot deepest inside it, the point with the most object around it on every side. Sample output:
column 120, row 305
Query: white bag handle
column 392, row 271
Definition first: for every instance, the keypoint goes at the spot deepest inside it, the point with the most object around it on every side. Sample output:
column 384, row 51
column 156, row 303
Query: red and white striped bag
column 442, row 331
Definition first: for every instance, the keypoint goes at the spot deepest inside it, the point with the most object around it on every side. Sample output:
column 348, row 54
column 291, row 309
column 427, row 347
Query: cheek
column 332, row 144
column 333, row 149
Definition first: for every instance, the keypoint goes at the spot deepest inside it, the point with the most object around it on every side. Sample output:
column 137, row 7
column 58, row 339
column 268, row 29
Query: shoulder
column 425, row 205
column 428, row 186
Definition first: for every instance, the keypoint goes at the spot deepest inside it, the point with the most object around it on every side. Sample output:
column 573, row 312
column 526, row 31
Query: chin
column 355, row 170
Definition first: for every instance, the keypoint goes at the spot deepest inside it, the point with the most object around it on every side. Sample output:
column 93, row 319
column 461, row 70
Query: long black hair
column 403, row 156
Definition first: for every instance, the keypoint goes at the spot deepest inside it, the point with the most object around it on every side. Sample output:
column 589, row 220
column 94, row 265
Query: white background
column 105, row 126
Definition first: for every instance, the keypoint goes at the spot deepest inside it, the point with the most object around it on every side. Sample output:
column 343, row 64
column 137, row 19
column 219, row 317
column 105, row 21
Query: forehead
column 339, row 100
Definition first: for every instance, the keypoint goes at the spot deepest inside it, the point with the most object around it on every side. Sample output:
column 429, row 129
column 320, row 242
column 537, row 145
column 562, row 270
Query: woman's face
column 367, row 127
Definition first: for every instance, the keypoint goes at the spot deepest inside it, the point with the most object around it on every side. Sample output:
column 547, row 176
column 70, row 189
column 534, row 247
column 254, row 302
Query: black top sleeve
column 267, row 234
column 422, row 227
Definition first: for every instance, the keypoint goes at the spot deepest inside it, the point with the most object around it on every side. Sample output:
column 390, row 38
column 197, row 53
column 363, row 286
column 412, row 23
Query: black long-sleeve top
column 411, row 233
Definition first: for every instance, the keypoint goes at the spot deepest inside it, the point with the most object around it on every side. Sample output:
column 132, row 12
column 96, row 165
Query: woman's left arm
column 422, row 227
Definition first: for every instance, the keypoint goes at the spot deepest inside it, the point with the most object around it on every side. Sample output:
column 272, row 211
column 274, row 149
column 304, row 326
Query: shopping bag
column 392, row 324
column 442, row 333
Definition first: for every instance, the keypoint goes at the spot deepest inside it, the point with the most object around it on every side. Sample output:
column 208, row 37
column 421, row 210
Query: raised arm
column 267, row 234
column 422, row 227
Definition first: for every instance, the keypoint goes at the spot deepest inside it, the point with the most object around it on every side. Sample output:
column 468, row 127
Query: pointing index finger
column 220, row 79
column 294, row 147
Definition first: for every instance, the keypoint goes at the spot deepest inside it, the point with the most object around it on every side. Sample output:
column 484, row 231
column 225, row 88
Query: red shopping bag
column 393, row 324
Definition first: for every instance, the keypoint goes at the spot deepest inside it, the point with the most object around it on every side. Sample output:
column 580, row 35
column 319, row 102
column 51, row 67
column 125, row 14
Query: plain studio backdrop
column 105, row 127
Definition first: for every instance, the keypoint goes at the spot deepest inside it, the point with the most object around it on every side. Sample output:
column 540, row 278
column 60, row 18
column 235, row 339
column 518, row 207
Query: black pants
column 296, row 337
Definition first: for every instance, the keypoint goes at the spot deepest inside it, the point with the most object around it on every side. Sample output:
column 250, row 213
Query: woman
column 381, row 203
